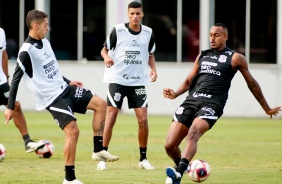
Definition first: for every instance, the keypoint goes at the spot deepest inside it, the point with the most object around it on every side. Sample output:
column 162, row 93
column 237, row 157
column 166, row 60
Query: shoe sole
column 105, row 159
column 31, row 150
column 170, row 173
column 141, row 167
column 101, row 169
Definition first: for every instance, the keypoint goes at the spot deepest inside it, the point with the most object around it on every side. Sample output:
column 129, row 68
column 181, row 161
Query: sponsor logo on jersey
column 228, row 52
column 207, row 68
column 135, row 43
column 197, row 94
column 127, row 77
column 46, row 55
column 50, row 69
column 209, row 63
column 130, row 58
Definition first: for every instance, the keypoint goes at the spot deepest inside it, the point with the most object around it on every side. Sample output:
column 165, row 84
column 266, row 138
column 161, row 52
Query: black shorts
column 4, row 93
column 190, row 109
column 136, row 96
column 73, row 99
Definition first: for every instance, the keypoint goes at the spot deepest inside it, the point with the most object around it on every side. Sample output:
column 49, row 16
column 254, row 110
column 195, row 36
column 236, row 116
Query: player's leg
column 20, row 123
column 143, row 134
column 98, row 105
column 198, row 128
column 72, row 133
column 62, row 113
column 19, row 120
column 111, row 116
column 71, row 137
column 115, row 96
column 176, row 133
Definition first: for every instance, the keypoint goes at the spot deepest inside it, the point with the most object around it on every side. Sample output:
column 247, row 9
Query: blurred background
column 84, row 25
column 78, row 29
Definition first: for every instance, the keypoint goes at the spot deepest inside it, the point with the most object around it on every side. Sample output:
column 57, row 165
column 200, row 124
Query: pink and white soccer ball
column 199, row 170
column 47, row 151
column 2, row 152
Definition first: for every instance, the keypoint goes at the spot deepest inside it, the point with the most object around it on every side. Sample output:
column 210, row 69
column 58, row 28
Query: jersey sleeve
column 2, row 40
column 17, row 76
column 152, row 44
column 14, row 87
column 111, row 41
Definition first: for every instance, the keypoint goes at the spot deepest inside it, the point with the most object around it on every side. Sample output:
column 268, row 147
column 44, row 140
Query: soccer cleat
column 104, row 156
column 145, row 164
column 168, row 180
column 33, row 146
column 174, row 175
column 72, row 182
column 101, row 165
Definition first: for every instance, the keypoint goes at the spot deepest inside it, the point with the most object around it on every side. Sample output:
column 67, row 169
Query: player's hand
column 153, row 76
column 109, row 62
column 169, row 93
column 273, row 111
column 8, row 115
column 76, row 83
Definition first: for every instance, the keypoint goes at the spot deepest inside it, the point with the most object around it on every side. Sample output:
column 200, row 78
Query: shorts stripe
column 208, row 117
column 111, row 99
column 145, row 102
column 61, row 110
column 175, row 118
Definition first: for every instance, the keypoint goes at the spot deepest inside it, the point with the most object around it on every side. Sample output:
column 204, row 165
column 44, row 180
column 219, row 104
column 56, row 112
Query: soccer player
column 128, row 53
column 208, row 84
column 19, row 118
column 38, row 65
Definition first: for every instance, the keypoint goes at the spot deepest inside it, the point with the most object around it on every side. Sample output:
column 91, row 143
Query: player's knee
column 169, row 148
column 143, row 121
column 17, row 106
column 100, row 104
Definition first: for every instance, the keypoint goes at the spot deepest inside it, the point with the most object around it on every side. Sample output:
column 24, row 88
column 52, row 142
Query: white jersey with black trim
column 3, row 78
column 130, row 56
column 47, row 82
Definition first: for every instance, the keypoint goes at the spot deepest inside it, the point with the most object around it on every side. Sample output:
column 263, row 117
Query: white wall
column 241, row 103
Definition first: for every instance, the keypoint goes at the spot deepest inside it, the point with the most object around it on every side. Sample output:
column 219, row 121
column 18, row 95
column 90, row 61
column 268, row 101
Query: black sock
column 26, row 139
column 176, row 161
column 182, row 167
column 105, row 148
column 143, row 153
column 70, row 176
column 98, row 143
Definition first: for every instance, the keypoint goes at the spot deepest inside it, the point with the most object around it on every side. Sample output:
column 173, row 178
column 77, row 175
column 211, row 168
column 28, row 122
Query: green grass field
column 239, row 151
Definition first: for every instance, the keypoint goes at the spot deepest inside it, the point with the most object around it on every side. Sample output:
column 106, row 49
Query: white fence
column 241, row 102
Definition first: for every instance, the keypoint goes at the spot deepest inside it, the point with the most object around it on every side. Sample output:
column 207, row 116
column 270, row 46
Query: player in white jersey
column 19, row 118
column 128, row 55
column 37, row 64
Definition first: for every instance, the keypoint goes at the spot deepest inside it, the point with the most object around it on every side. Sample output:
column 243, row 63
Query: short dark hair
column 34, row 15
column 221, row 25
column 134, row 4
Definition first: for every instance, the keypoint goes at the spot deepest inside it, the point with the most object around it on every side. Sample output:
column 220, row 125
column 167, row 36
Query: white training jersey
column 130, row 56
column 3, row 78
column 47, row 82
